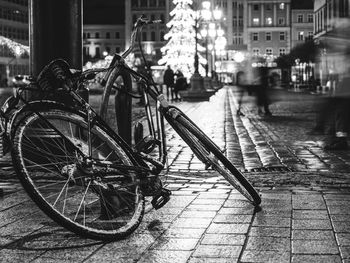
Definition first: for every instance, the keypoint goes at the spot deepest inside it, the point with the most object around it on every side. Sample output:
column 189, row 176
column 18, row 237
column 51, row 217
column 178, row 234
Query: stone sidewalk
column 305, row 191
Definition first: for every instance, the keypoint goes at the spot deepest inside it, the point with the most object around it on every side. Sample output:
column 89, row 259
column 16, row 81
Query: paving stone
column 236, row 203
column 205, row 201
column 212, row 260
column 310, row 214
column 311, row 224
column 198, row 214
column 167, row 243
column 343, row 239
column 268, row 243
column 190, row 223
column 161, row 256
column 313, row 234
column 223, row 239
column 341, row 226
column 217, row 251
column 316, row 259
column 314, row 247
column 205, row 207
column 236, row 211
column 271, row 221
column 262, row 231
column 232, row 218
column 265, row 256
column 228, row 228
column 345, row 252
column 173, row 232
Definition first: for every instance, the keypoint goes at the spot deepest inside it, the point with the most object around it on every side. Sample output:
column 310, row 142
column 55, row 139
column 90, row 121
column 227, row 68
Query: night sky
column 103, row 12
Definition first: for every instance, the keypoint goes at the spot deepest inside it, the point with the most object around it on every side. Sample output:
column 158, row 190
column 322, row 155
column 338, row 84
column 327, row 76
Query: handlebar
column 140, row 22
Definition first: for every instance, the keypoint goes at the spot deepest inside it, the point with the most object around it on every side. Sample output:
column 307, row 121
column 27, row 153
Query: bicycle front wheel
column 48, row 154
column 210, row 154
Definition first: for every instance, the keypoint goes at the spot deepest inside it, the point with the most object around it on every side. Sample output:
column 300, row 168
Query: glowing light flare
column 16, row 48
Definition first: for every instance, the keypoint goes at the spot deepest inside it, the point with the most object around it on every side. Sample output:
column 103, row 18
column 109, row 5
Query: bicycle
column 81, row 173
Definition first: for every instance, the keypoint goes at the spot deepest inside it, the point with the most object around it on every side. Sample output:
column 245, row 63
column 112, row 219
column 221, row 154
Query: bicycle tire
column 121, row 80
column 208, row 152
column 97, row 205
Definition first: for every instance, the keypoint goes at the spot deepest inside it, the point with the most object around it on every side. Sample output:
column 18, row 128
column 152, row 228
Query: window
column 86, row 51
column 255, row 7
column 153, row 17
column 153, row 3
column 143, row 3
column 97, row 35
column 269, row 51
column 281, row 21
column 161, row 3
column 162, row 18
column 282, row 36
column 255, row 36
column 144, row 36
column 301, row 36
column 108, row 50
column 97, row 52
column 268, row 7
column 162, row 35
column 300, row 18
column 282, row 51
column 87, row 35
column 310, row 34
column 108, row 35
column 281, row 6
column 256, row 51
column 134, row 3
column 117, row 50
column 117, row 35
column 255, row 21
column 240, row 21
column 153, row 36
column 310, row 18
column 234, row 21
column 268, row 21
column 268, row 36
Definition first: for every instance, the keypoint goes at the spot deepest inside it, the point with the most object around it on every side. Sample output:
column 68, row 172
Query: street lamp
column 204, row 34
column 211, row 18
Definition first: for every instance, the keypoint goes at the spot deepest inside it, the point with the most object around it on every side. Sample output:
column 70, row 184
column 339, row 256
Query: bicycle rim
column 209, row 153
column 94, row 204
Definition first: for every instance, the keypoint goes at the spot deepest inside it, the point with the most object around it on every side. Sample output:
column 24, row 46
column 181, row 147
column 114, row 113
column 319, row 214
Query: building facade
column 302, row 24
column 268, row 27
column 14, row 26
column 153, row 35
column 102, row 40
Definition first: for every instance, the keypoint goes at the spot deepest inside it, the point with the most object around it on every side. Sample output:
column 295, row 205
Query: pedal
column 147, row 144
column 161, row 199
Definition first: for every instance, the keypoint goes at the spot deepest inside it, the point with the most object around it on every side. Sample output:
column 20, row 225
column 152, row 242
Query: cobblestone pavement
column 305, row 191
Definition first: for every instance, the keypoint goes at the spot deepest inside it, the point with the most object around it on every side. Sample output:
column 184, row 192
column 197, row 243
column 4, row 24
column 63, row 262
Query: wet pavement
column 305, row 192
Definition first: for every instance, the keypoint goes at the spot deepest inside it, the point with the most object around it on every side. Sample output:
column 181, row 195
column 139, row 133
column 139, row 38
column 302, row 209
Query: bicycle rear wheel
column 48, row 152
column 209, row 153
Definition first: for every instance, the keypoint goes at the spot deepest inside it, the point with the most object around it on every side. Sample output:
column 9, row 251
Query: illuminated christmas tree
column 179, row 50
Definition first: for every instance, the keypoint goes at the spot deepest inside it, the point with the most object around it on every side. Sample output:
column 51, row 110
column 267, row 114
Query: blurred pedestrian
column 168, row 80
column 180, row 84
column 241, row 82
column 262, row 92
column 342, row 112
